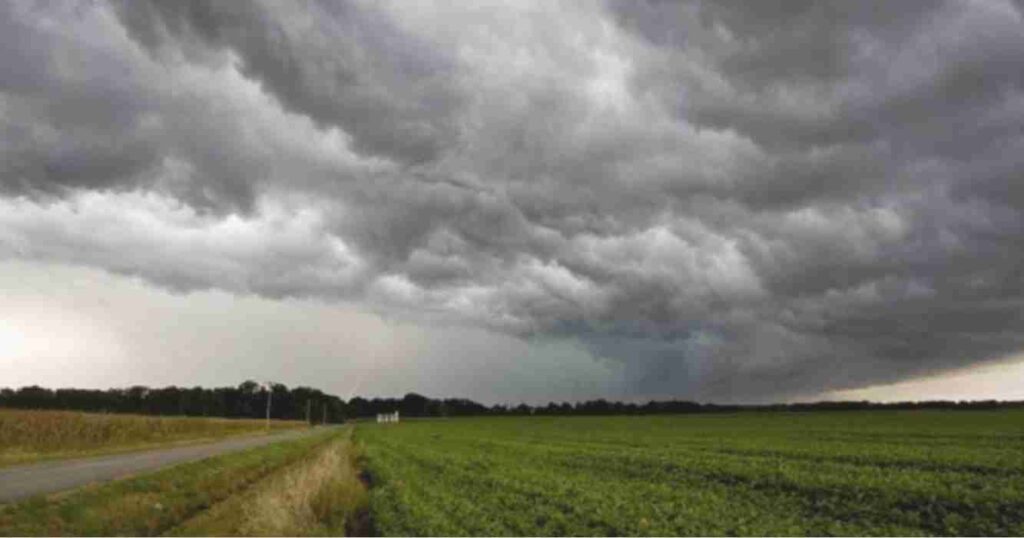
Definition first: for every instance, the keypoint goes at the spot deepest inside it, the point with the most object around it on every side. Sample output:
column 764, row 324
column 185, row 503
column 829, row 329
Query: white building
column 387, row 417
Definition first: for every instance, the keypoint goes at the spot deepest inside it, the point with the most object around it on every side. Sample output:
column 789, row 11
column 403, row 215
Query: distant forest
column 249, row 400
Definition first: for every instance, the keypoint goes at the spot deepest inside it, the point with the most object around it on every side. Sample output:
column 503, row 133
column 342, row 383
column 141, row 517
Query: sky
column 725, row 201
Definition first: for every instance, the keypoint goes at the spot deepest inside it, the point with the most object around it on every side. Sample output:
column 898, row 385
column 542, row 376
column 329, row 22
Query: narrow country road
column 27, row 480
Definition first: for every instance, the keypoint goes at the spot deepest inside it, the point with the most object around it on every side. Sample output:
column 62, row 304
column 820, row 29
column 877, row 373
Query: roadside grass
column 318, row 496
column 154, row 503
column 30, row 436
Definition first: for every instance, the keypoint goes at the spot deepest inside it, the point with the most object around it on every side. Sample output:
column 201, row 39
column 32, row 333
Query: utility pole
column 324, row 419
column 270, row 392
column 309, row 407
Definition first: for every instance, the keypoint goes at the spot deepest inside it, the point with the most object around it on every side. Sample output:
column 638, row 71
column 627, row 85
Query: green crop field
column 820, row 473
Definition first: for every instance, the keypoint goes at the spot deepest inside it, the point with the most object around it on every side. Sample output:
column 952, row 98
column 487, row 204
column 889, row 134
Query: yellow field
column 32, row 435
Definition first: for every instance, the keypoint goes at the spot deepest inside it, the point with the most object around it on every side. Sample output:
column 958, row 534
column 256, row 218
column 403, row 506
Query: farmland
column 27, row 436
column 818, row 473
column 881, row 472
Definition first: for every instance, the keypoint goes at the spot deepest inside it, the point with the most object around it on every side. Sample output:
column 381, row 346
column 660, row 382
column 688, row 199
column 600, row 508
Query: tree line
column 249, row 400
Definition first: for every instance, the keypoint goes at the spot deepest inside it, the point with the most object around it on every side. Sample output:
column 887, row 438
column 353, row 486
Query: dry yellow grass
column 320, row 496
column 32, row 435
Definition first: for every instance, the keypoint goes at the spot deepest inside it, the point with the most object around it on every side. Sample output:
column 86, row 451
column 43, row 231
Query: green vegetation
column 753, row 473
column 155, row 503
column 27, row 436
column 319, row 496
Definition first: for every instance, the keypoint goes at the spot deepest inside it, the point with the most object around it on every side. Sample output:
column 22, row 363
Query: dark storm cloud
column 338, row 63
column 83, row 136
column 733, row 200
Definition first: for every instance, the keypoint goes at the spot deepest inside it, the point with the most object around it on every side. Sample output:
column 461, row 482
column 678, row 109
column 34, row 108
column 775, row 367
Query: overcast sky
column 516, row 200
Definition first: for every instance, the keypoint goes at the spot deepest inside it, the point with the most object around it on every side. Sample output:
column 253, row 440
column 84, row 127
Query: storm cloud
column 728, row 200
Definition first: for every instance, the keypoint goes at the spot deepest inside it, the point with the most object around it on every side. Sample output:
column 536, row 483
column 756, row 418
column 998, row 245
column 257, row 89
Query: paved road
column 28, row 480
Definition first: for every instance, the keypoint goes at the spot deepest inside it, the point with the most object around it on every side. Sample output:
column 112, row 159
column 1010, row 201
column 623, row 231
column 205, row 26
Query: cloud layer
column 733, row 201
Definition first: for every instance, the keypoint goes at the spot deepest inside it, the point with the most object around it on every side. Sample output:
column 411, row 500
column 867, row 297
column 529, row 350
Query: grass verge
column 319, row 496
column 154, row 503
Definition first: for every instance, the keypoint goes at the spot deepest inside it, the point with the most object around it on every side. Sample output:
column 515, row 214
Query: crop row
column 684, row 476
